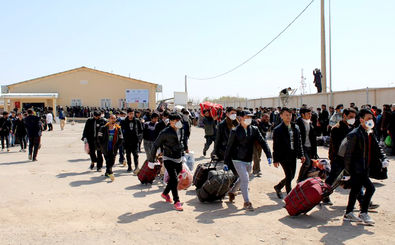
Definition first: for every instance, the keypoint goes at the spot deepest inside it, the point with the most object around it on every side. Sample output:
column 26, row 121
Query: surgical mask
column 167, row 121
column 248, row 121
column 178, row 124
column 232, row 117
column 341, row 110
column 369, row 124
column 307, row 120
column 351, row 121
column 122, row 118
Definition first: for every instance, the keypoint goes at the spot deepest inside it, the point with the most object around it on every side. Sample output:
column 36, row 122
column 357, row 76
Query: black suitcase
column 201, row 172
column 216, row 186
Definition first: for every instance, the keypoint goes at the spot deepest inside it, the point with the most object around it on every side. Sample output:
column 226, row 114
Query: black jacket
column 264, row 127
column 356, row 158
column 19, row 128
column 169, row 142
column 102, row 139
column 338, row 133
column 132, row 131
column 241, row 144
column 312, row 136
column 282, row 144
column 323, row 118
column 160, row 126
column 209, row 126
column 33, row 126
column 222, row 136
column 91, row 130
column 5, row 126
column 149, row 131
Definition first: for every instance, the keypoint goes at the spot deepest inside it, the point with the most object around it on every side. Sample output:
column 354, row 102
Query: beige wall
column 87, row 85
column 378, row 96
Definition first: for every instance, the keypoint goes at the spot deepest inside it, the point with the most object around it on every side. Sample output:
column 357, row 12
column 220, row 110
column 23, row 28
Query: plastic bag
column 190, row 160
column 184, row 178
column 86, row 147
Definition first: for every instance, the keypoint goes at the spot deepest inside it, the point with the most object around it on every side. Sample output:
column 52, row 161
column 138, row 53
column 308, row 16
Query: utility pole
column 330, row 54
column 323, row 55
column 186, row 85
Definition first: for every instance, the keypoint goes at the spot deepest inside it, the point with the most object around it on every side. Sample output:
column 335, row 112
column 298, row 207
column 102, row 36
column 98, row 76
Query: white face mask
column 248, row 121
column 122, row 118
column 369, row 124
column 178, row 124
column 351, row 121
column 232, row 117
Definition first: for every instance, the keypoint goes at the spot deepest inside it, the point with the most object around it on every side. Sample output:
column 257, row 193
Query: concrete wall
column 373, row 96
column 90, row 86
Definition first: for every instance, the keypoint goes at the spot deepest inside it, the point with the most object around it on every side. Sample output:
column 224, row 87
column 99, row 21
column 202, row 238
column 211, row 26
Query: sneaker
column 366, row 218
column 98, row 170
column 20, row 150
column 35, row 160
column 278, row 192
column 327, row 201
column 204, row 153
column 166, row 197
column 92, row 166
column 178, row 206
column 373, row 206
column 136, row 171
column 248, row 206
column 232, row 197
column 29, row 157
column 129, row 170
column 112, row 177
column 8, row 150
column 351, row 217
column 124, row 163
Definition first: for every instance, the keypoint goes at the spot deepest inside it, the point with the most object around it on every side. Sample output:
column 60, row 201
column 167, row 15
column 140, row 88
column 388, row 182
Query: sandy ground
column 59, row 200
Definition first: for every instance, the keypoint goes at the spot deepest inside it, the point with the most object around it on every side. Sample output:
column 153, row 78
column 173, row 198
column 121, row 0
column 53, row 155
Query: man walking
column 110, row 138
column 91, row 130
column 287, row 147
column 19, row 130
column 132, row 131
column 5, row 129
column 150, row 134
column 361, row 152
column 209, row 130
column 309, row 141
column 34, row 130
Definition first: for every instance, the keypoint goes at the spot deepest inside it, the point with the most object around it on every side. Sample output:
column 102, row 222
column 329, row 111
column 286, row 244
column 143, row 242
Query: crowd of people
column 239, row 136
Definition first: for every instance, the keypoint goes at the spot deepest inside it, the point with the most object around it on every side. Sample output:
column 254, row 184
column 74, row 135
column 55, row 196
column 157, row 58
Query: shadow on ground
column 157, row 208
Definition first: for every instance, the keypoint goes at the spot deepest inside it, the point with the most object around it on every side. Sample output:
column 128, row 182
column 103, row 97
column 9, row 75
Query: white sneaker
column 366, row 218
column 351, row 217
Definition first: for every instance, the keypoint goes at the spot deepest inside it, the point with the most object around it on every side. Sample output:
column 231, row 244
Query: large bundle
column 212, row 182
column 216, row 110
column 148, row 172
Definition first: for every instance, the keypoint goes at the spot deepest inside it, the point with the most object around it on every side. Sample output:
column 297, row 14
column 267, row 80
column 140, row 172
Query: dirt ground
column 58, row 200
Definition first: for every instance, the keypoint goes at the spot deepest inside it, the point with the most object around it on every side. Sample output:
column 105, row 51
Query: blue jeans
column 243, row 169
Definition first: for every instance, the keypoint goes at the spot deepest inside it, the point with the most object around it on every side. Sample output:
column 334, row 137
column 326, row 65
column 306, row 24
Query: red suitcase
column 305, row 196
column 146, row 174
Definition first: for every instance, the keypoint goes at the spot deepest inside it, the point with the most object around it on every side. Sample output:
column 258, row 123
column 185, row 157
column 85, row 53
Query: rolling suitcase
column 305, row 196
column 146, row 174
column 201, row 173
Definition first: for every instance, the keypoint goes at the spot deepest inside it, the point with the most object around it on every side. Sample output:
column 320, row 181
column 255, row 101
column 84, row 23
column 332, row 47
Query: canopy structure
column 26, row 100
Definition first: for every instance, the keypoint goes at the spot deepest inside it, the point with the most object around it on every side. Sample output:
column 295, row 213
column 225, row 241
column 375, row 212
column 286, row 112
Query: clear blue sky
column 161, row 41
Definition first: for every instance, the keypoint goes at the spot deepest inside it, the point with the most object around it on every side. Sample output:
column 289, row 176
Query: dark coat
column 312, row 136
column 209, row 126
column 33, row 126
column 19, row 128
column 5, row 126
column 160, row 126
column 91, row 130
column 282, row 144
column 338, row 133
column 102, row 139
column 241, row 144
column 171, row 145
column 356, row 158
column 222, row 136
column 132, row 131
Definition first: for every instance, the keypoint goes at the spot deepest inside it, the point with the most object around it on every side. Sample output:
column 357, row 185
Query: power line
column 249, row 59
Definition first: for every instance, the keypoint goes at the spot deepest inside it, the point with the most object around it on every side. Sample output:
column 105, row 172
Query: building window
column 105, row 103
column 76, row 102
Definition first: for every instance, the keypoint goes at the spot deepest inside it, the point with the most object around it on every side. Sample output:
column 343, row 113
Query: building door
column 105, row 103
column 33, row 105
